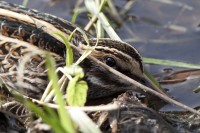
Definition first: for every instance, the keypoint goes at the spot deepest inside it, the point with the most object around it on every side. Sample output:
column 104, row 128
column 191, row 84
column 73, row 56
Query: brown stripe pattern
column 25, row 32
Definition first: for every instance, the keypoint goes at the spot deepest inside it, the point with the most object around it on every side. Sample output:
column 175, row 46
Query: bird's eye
column 110, row 61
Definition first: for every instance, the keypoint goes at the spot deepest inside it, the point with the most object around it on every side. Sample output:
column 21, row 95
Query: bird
column 24, row 32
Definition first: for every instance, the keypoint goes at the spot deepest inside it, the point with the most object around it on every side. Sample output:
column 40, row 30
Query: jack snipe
column 24, row 31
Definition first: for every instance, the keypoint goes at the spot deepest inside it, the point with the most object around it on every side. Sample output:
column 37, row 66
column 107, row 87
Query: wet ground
column 161, row 29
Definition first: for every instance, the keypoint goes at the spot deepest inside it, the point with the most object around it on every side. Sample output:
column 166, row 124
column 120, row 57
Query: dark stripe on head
column 120, row 46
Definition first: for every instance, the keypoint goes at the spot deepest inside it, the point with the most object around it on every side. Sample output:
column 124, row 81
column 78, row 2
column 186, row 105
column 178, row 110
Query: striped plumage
column 25, row 31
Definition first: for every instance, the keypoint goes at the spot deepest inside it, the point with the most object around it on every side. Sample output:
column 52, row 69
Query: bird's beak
column 150, row 84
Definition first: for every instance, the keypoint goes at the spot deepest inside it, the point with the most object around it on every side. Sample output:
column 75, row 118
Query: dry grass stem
column 89, row 25
column 108, row 107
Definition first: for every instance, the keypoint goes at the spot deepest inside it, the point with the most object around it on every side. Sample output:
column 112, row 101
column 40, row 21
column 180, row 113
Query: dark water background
column 147, row 27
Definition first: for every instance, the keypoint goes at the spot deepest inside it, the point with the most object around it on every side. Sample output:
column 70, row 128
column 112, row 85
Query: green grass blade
column 102, row 5
column 86, row 52
column 48, row 116
column 152, row 78
column 74, row 17
column 69, row 51
column 92, row 7
column 25, row 2
column 99, row 29
column 63, row 115
column 170, row 63
column 197, row 90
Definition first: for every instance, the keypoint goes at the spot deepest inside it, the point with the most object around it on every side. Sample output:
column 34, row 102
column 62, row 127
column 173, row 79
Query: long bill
column 152, row 85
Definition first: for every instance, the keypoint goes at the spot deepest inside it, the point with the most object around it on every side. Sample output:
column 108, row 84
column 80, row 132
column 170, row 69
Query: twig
column 86, row 108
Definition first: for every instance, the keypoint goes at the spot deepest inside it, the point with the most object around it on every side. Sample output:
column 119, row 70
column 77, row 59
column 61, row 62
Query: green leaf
column 81, row 93
column 170, row 63
column 77, row 92
column 76, row 89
